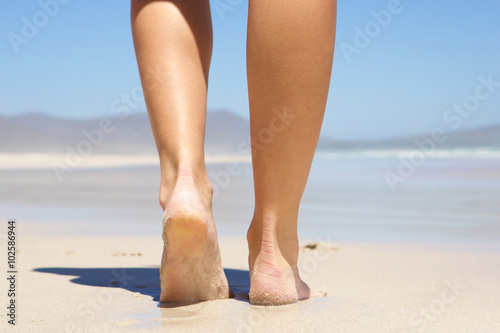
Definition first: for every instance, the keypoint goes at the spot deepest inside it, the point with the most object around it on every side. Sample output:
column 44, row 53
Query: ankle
column 184, row 177
column 272, row 233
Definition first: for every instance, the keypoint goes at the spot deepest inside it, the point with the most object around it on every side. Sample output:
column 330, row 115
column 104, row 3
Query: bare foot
column 274, row 277
column 191, row 268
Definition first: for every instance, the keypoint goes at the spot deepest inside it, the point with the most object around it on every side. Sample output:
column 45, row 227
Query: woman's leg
column 289, row 53
column 173, row 44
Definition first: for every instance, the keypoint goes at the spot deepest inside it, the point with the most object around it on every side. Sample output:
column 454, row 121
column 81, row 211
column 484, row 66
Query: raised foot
column 191, row 269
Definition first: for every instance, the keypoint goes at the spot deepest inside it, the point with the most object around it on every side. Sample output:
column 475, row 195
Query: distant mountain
column 488, row 137
column 130, row 135
column 41, row 133
column 227, row 133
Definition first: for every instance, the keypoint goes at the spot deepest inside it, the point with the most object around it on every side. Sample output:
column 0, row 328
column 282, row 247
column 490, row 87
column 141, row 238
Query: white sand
column 77, row 284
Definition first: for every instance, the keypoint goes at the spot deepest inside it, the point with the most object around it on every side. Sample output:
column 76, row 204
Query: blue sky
column 405, row 75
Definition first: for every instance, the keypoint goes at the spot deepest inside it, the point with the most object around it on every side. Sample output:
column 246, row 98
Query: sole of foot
column 191, row 268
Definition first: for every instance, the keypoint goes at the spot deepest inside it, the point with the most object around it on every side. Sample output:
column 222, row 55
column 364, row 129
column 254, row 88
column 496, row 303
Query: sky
column 401, row 68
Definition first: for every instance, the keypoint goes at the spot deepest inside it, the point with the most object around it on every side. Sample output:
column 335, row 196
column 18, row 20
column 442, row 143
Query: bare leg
column 290, row 53
column 173, row 44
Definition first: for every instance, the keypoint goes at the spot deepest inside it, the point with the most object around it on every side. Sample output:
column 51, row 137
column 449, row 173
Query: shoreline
column 42, row 161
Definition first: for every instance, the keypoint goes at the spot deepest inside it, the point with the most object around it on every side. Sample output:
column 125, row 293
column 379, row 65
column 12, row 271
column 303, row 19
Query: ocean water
column 393, row 199
column 355, row 197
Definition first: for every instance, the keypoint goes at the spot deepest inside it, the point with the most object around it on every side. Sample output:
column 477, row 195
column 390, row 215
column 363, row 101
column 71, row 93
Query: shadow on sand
column 145, row 281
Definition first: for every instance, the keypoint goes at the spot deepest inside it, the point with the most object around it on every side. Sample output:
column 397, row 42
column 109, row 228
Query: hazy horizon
column 227, row 133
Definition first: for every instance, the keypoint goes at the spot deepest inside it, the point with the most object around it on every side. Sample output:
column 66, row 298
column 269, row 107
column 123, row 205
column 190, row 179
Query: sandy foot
column 191, row 268
column 273, row 279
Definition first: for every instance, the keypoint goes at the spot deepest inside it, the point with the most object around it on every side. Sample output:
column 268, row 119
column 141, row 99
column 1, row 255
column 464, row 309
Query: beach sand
column 111, row 284
column 425, row 258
